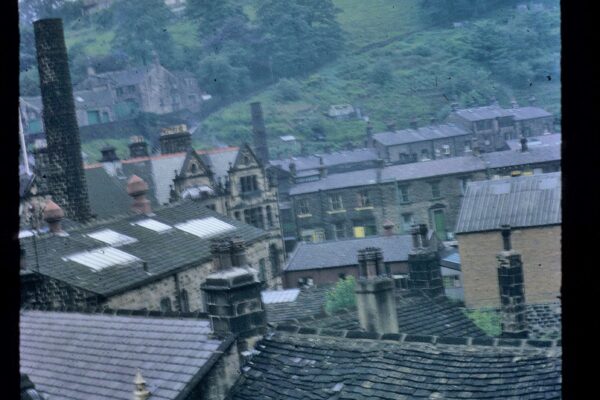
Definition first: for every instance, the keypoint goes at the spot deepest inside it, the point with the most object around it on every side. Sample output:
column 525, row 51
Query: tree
column 212, row 15
column 141, row 28
column 218, row 77
column 342, row 295
column 298, row 35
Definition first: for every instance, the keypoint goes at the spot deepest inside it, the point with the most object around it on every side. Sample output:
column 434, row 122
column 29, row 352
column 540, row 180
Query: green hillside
column 398, row 63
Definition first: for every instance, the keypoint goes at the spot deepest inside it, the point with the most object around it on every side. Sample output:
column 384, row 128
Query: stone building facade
column 531, row 207
column 355, row 204
column 493, row 125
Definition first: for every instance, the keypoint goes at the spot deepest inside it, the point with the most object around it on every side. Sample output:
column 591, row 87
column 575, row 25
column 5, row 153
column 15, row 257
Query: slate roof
column 329, row 159
column 403, row 172
column 310, row 301
column 164, row 252
column 337, row 253
column 418, row 314
column 534, row 155
column 521, row 113
column 303, row 366
column 544, row 320
column 481, row 113
column 95, row 356
column 524, row 201
column 534, row 141
column 108, row 191
column 420, row 134
column 431, row 169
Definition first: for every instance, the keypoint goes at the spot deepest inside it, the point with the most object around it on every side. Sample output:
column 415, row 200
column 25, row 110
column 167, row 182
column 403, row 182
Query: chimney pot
column 137, row 188
column 388, row 227
column 53, row 215
column 506, row 233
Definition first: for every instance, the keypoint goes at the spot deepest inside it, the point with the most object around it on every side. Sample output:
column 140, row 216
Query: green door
column 440, row 223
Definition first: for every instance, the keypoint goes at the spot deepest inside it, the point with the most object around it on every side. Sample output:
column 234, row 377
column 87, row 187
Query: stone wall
column 326, row 276
column 540, row 248
column 456, row 145
column 386, row 203
column 150, row 296
column 41, row 291
column 216, row 384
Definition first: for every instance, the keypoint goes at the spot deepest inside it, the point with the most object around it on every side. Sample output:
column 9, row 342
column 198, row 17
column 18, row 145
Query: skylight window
column 153, row 225
column 98, row 259
column 279, row 296
column 205, row 227
column 111, row 237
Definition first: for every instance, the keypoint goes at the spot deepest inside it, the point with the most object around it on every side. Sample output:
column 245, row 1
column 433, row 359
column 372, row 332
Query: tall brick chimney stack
column 260, row 133
column 65, row 174
column 233, row 294
column 424, row 267
column 375, row 293
column 512, row 293
column 138, row 188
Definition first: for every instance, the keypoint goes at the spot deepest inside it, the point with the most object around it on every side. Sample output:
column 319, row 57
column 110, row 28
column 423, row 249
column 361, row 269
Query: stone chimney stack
column 109, row 154
column 475, row 147
column 322, row 168
column 138, row 147
column 234, row 304
column 414, row 123
column 454, row 106
column 65, row 174
column 375, row 293
column 137, row 188
column 175, row 139
column 391, row 126
column 388, row 228
column 260, row 133
column 524, row 147
column 369, row 134
column 514, row 104
column 512, row 293
column 424, row 264
column 140, row 392
column 53, row 215
column 532, row 100
column 433, row 120
column 292, row 166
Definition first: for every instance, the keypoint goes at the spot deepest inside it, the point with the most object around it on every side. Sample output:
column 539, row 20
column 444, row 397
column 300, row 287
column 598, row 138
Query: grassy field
column 426, row 67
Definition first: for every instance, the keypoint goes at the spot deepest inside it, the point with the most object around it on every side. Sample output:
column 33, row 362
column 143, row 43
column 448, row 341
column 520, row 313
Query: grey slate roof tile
column 375, row 369
column 163, row 252
column 93, row 356
column 537, row 154
column 336, row 253
column 523, row 201
column 309, row 302
column 312, row 162
column 420, row 134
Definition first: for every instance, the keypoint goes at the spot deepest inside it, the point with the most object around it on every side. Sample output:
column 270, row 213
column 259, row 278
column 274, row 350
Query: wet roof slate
column 523, row 201
column 71, row 355
column 420, row 134
column 163, row 252
column 336, row 253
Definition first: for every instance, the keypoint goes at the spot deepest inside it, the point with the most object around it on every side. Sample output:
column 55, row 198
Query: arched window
column 165, row 304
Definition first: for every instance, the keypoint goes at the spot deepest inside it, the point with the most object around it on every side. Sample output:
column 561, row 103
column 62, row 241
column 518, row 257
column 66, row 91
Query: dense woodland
column 394, row 59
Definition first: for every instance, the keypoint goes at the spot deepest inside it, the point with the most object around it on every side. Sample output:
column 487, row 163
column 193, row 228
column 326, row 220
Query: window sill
column 336, row 211
column 363, row 208
column 304, row 215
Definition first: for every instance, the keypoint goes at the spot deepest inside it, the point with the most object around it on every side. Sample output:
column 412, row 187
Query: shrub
column 381, row 73
column 486, row 320
column 342, row 295
column 287, row 90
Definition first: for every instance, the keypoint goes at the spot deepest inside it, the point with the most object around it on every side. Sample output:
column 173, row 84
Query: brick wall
column 541, row 255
